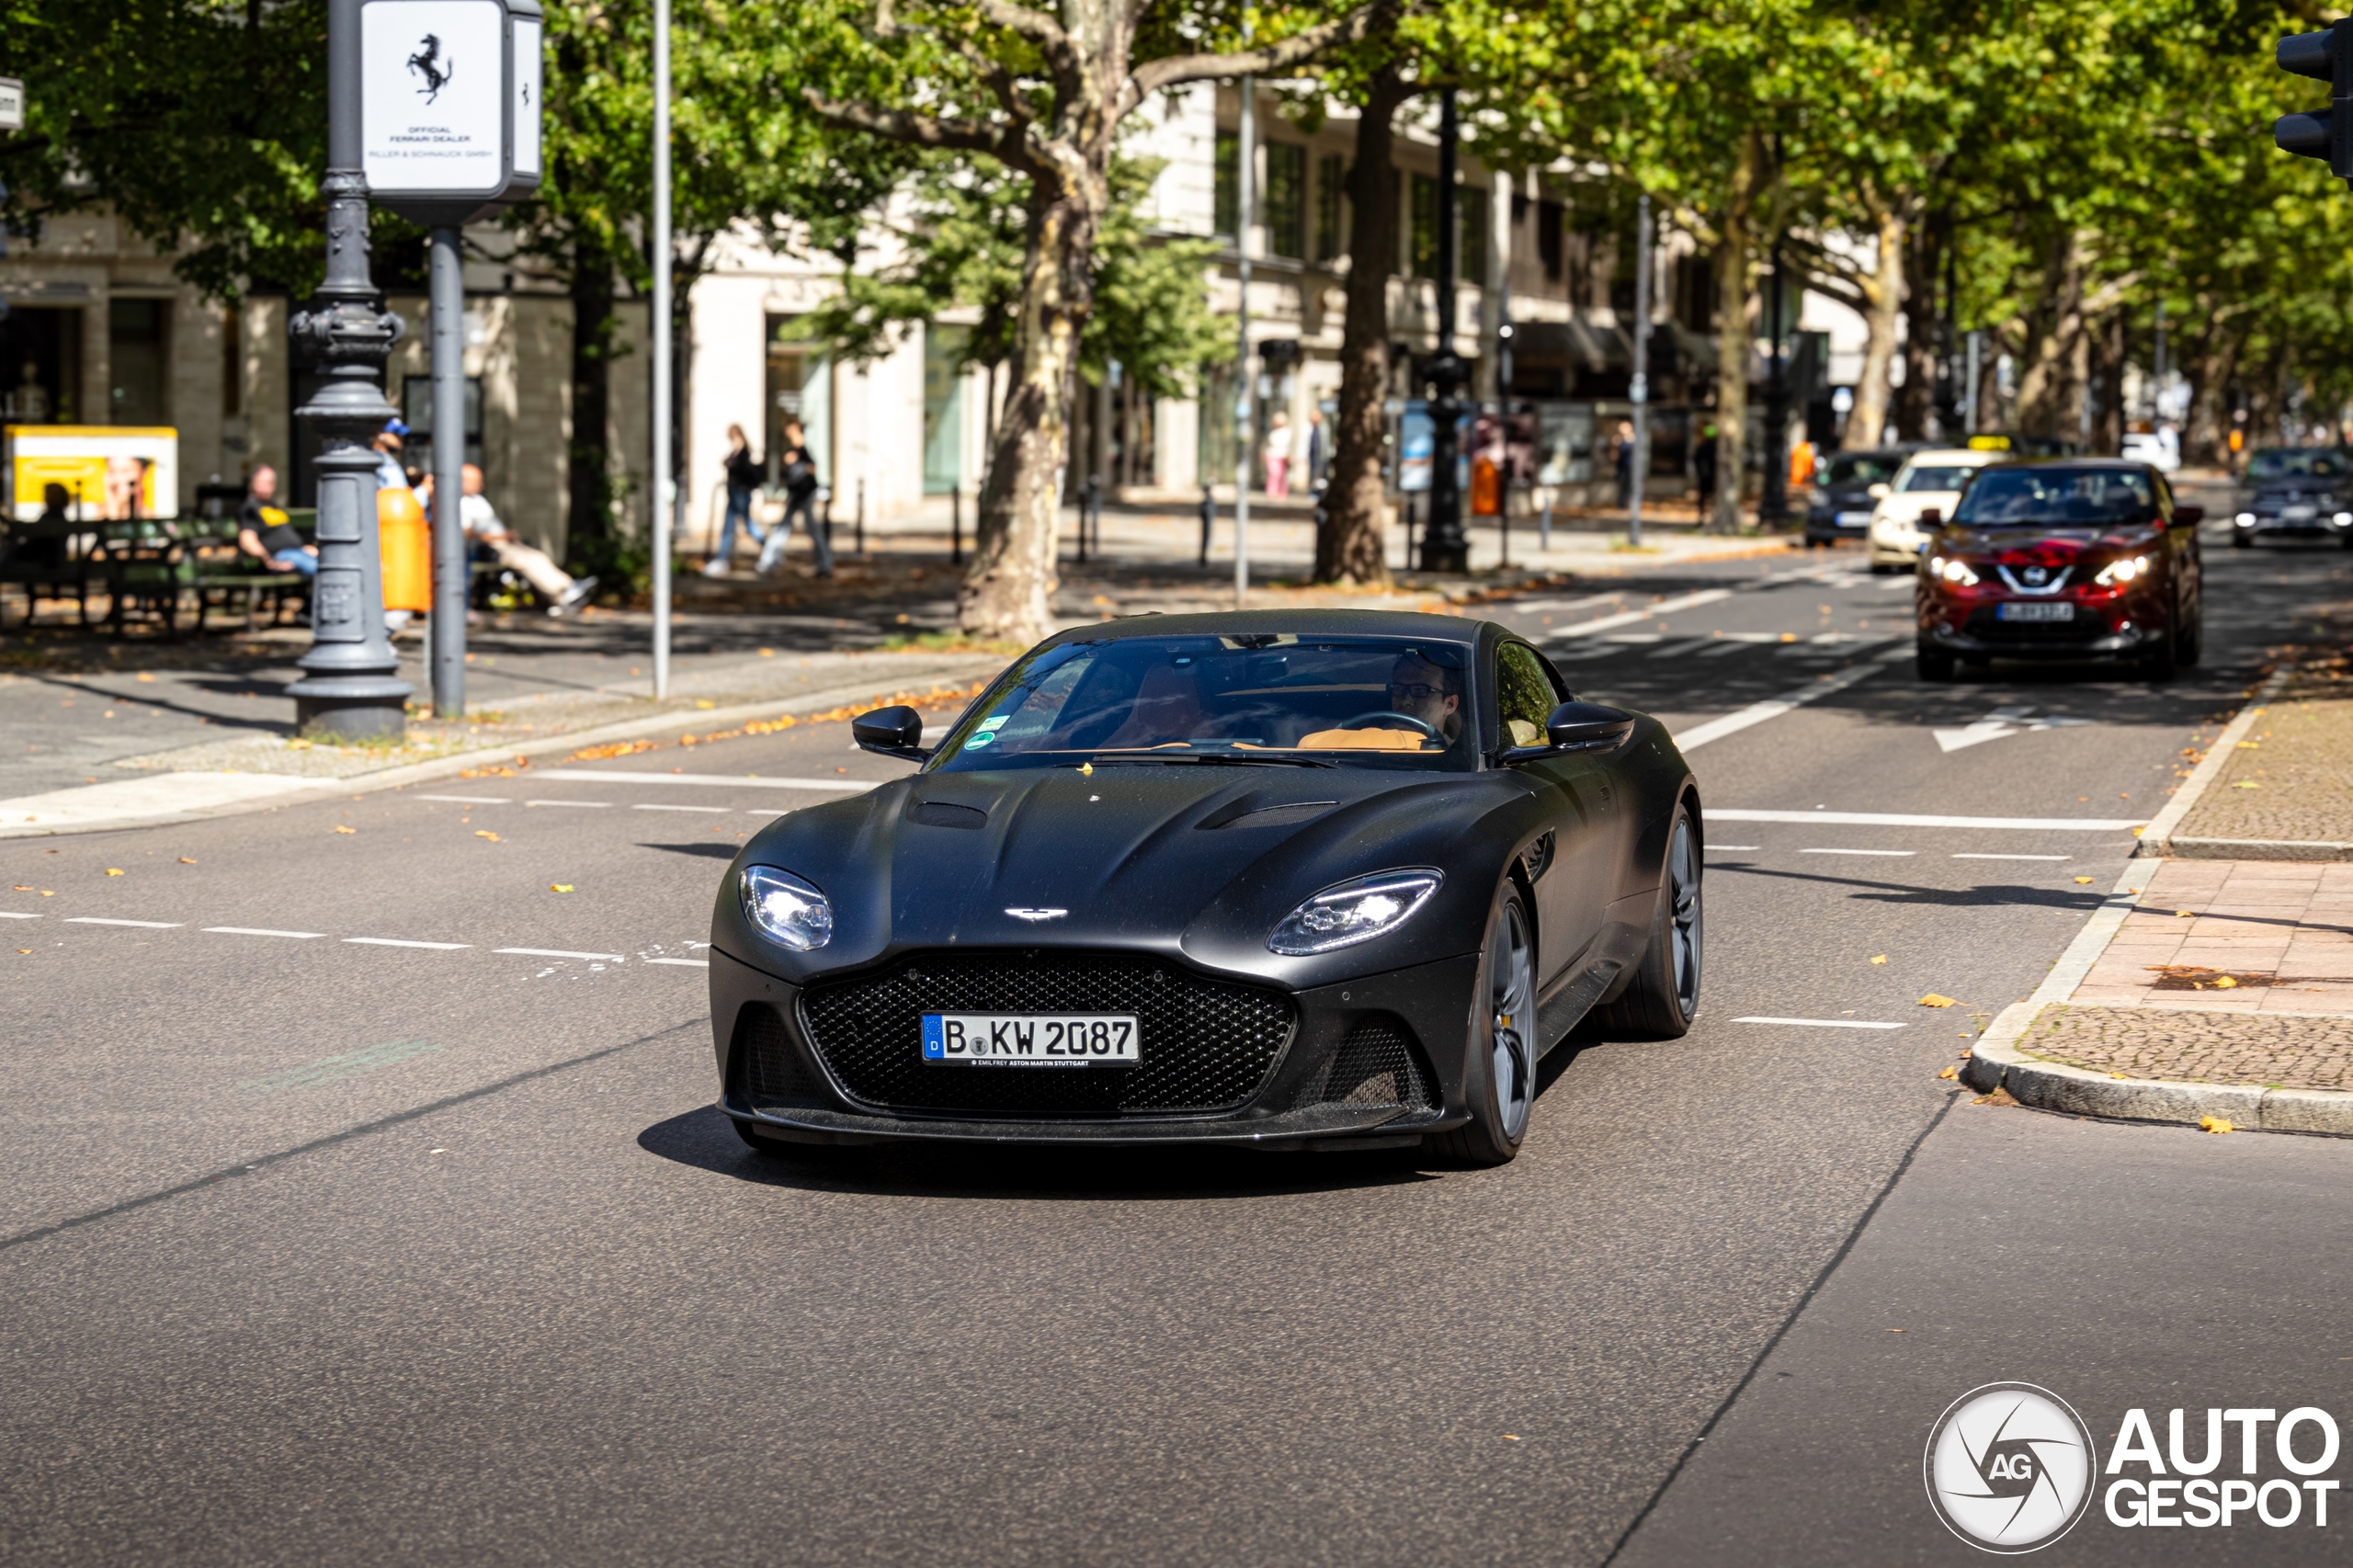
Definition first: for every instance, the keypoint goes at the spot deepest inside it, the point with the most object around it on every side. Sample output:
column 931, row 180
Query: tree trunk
column 1915, row 405
column 1883, row 294
column 1351, row 545
column 2107, row 430
column 1733, row 338
column 1007, row 594
column 2045, row 394
column 590, row 543
column 2210, row 369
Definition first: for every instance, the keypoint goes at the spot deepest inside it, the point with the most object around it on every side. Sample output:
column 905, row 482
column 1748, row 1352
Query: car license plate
column 1851, row 520
column 2299, row 513
column 1031, row 1040
column 2015, row 610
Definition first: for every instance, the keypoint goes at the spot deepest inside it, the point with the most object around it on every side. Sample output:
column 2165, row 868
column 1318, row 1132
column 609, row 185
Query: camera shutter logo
column 2009, row 1467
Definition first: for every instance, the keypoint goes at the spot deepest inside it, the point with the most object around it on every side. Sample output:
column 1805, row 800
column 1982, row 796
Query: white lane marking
column 695, row 963
column 1664, row 606
column 471, row 799
column 598, row 804
column 767, row 811
column 644, row 807
column 258, row 931
column 1716, row 846
column 16, row 915
column 1722, row 646
column 1633, row 638
column 1773, row 708
column 2001, row 722
column 397, row 942
column 1676, row 650
column 143, row 925
column 1896, row 819
column 1897, row 853
column 560, row 953
column 729, row 780
column 1820, row 1023
column 1969, row 857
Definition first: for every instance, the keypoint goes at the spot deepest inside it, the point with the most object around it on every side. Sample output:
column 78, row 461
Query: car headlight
column 786, row 908
column 2124, row 571
column 1952, row 571
column 2343, row 519
column 2244, row 520
column 1354, row 911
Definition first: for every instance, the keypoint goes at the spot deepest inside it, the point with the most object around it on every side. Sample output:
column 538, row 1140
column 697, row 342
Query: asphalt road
column 361, row 1195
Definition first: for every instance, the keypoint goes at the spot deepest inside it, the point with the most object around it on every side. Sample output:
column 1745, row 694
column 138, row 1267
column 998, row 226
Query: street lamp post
column 1444, row 547
column 351, row 683
column 1776, row 499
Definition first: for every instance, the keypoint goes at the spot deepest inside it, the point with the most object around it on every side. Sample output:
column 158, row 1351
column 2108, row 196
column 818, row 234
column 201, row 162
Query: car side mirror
column 2189, row 517
column 893, row 732
column 1583, row 724
column 1878, row 490
column 1930, row 517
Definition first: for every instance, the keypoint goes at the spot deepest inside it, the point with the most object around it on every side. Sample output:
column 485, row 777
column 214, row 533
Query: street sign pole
column 663, row 477
column 1245, row 424
column 452, row 579
column 1444, row 546
column 1640, row 391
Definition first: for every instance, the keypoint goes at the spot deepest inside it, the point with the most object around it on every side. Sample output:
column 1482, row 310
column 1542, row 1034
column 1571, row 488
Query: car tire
column 1499, row 1079
column 2241, row 539
column 1882, row 569
column 2163, row 662
column 1663, row 998
column 1934, row 666
column 2190, row 645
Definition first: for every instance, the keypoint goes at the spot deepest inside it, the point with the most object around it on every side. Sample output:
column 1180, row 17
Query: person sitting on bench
column 562, row 590
column 42, row 543
column 264, row 533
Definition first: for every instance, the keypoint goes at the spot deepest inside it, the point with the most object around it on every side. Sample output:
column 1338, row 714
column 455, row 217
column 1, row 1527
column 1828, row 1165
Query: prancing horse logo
column 427, row 61
column 1034, row 914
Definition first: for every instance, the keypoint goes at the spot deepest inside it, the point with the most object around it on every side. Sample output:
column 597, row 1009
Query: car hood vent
column 946, row 814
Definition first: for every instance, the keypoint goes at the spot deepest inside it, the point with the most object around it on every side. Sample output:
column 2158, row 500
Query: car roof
column 1961, row 455
column 2087, row 462
column 1459, row 629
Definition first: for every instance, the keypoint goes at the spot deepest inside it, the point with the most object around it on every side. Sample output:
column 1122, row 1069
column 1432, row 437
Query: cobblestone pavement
column 2197, row 1047
column 2266, row 936
column 2291, row 778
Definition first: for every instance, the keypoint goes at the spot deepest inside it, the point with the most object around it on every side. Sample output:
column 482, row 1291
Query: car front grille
column 769, row 1074
column 1204, row 1045
column 1377, row 1064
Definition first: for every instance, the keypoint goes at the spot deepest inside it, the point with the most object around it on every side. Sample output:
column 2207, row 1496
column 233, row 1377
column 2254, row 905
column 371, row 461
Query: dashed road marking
column 1664, row 606
column 696, row 963
column 560, row 953
column 1757, row 713
column 643, row 806
column 16, row 915
column 1896, row 853
column 1716, row 846
column 143, row 925
column 1820, row 1023
column 1896, row 819
column 1968, row 857
column 258, row 931
column 591, row 803
column 398, row 942
column 471, row 799
column 726, row 780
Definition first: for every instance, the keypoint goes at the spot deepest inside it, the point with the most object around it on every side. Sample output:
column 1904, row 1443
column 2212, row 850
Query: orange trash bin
column 1486, row 487
column 406, row 544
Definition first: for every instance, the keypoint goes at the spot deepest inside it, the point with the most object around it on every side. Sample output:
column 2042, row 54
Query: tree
column 1044, row 96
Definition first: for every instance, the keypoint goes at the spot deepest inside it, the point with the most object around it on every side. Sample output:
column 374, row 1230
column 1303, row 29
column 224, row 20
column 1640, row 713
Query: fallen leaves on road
column 2081, row 881
column 705, row 702
column 1934, row 1000
column 2119, row 1074
column 114, row 871
column 1999, row 1097
column 2247, row 784
column 486, row 832
column 2216, row 1124
column 186, row 861
column 24, row 887
column 340, row 828
column 144, row 675
column 1881, row 958
column 1789, row 636
column 618, row 748
column 2185, row 915
column 496, row 770
column 559, row 887
column 49, row 892
column 1950, row 1072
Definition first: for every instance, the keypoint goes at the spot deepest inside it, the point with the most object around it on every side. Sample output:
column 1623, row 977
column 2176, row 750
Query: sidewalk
column 2211, row 990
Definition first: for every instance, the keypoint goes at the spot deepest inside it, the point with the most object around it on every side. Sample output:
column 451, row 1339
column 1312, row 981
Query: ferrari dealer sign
column 434, row 97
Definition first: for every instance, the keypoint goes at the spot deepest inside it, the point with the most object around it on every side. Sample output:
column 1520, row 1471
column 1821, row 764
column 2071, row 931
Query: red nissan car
column 2062, row 560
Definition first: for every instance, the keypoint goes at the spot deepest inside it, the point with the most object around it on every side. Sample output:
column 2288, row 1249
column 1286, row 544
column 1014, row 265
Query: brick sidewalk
column 2264, row 936
column 2290, row 779
column 2269, row 1052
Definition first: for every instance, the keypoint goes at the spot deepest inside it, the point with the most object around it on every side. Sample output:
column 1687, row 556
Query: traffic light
column 2326, row 56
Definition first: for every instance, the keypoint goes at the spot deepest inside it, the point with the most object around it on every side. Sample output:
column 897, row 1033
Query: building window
column 1286, row 211
column 1422, row 258
column 1331, row 190
column 1227, row 203
column 1476, row 231
column 1549, row 224
column 138, row 362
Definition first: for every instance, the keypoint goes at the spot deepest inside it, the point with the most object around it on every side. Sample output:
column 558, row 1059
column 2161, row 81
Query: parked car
column 2066, row 559
column 2297, row 493
column 1930, row 480
column 1846, row 488
column 1303, row 879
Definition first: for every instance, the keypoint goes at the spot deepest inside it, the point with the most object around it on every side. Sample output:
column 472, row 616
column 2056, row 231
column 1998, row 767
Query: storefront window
column 799, row 387
column 40, row 366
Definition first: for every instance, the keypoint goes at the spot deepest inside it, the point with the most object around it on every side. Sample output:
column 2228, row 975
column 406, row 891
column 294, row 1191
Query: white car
column 1928, row 480
column 2161, row 450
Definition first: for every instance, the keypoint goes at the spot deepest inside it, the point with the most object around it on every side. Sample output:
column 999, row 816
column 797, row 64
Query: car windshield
column 2086, row 497
column 2296, row 462
column 1954, row 477
column 1863, row 468
column 1270, row 698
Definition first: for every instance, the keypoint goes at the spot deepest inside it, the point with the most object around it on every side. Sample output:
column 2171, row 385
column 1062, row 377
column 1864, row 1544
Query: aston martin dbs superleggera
column 1319, row 879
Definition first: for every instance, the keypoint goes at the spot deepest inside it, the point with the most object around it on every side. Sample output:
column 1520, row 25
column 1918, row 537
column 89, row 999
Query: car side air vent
column 943, row 813
column 1243, row 813
column 1380, row 1063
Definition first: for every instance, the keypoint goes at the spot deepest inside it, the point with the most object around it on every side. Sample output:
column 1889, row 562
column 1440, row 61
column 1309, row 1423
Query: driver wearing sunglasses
column 1420, row 689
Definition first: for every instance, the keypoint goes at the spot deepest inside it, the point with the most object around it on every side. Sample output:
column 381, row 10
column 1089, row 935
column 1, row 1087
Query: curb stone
column 1997, row 1060
column 450, row 767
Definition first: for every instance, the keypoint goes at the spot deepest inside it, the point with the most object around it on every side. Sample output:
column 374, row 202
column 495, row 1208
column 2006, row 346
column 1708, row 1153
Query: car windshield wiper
column 1216, row 758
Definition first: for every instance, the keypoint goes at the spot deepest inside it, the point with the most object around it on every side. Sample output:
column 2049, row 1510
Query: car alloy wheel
column 1683, row 916
column 1511, row 1019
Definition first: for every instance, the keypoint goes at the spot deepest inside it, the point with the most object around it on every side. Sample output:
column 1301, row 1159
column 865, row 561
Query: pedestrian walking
column 1703, row 466
column 742, row 478
column 797, row 472
column 558, row 589
column 264, row 533
column 1319, row 450
column 1276, row 445
column 1623, row 459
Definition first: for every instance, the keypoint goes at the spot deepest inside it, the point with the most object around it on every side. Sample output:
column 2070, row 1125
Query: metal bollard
column 1546, row 527
column 1209, row 517
column 1503, row 526
column 956, row 525
column 861, row 518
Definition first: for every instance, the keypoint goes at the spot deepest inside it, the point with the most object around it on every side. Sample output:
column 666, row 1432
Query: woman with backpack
column 797, row 472
column 742, row 478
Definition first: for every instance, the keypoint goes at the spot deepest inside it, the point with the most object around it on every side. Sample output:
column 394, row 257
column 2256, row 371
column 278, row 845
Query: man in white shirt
column 562, row 590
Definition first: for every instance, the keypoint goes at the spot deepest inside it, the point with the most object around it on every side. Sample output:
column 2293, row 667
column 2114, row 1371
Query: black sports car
column 2296, row 493
column 1319, row 879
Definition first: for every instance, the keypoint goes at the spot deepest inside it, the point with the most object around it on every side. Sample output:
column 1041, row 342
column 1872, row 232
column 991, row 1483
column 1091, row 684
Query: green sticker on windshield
column 977, row 742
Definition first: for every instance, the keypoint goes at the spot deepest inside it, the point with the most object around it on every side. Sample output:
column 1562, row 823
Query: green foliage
column 960, row 230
